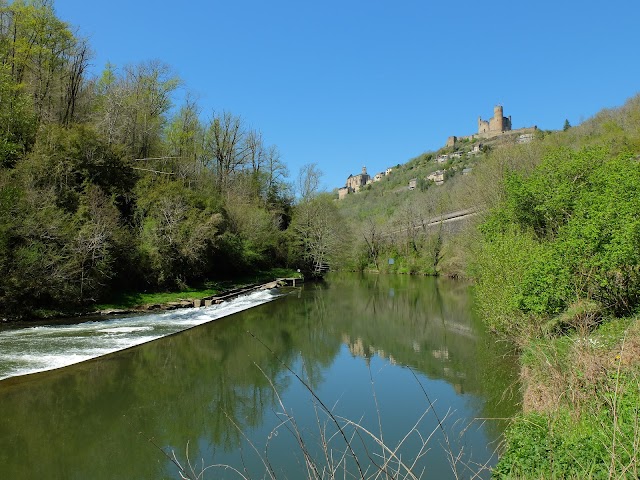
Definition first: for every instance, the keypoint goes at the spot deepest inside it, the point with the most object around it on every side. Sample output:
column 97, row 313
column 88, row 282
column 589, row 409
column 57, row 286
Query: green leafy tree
column 41, row 53
column 17, row 120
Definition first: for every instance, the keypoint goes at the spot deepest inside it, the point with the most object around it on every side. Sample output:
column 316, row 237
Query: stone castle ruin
column 494, row 127
column 498, row 124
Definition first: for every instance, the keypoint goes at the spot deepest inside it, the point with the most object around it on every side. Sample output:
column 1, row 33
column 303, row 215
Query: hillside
column 388, row 217
column 554, row 257
column 117, row 184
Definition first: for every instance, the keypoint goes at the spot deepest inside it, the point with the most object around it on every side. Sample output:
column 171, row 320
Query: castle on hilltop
column 498, row 124
column 494, row 127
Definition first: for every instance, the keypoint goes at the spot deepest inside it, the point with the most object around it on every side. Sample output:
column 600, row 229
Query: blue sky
column 350, row 83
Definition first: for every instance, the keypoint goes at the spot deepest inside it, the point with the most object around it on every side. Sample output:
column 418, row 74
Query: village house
column 437, row 177
column 525, row 138
column 413, row 183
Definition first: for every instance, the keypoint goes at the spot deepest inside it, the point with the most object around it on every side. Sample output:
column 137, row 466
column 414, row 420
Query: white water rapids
column 36, row 349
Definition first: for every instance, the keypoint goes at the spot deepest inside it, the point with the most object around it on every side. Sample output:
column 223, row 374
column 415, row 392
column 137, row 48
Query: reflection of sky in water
column 36, row 349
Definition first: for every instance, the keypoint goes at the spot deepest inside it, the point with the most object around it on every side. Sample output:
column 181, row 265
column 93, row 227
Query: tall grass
column 581, row 407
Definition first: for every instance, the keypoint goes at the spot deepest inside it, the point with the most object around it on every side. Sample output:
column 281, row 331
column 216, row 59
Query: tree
column 319, row 234
column 566, row 233
column 185, row 142
column 132, row 106
column 566, row 126
column 17, row 120
column 224, row 152
column 309, row 181
column 44, row 55
column 276, row 173
column 179, row 233
column 373, row 240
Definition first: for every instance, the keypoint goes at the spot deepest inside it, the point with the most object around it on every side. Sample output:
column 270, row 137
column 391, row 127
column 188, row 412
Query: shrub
column 569, row 231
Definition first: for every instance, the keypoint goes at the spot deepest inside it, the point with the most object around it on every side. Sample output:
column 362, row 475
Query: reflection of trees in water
column 185, row 387
column 427, row 324
column 175, row 390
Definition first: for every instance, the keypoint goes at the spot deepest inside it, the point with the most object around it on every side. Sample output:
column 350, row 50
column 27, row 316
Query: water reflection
column 94, row 420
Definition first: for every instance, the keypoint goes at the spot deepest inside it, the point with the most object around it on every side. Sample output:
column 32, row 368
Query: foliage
column 17, row 120
column 106, row 186
column 568, row 231
column 591, row 430
column 556, row 268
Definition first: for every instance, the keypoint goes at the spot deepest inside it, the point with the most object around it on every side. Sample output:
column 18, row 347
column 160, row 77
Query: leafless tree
column 223, row 143
column 372, row 238
column 309, row 181
column 320, row 233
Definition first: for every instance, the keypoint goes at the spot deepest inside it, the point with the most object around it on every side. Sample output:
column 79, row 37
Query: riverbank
column 581, row 405
column 209, row 293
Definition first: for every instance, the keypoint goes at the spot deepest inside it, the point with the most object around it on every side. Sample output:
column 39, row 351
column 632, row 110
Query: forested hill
column 387, row 218
column 107, row 185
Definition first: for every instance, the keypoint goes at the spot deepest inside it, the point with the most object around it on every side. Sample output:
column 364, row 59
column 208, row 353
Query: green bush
column 569, row 231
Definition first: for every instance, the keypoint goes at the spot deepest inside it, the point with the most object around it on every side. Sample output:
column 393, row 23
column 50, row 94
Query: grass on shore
column 127, row 300
column 581, row 406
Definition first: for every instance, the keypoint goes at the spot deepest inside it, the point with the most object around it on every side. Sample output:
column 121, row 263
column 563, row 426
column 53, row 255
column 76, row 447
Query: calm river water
column 403, row 357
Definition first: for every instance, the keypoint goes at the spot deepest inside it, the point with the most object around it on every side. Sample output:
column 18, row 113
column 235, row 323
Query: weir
column 29, row 350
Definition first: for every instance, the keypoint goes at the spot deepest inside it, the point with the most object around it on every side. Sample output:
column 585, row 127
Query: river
column 259, row 391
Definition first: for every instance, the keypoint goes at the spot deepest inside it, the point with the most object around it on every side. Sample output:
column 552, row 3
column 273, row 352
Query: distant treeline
column 107, row 185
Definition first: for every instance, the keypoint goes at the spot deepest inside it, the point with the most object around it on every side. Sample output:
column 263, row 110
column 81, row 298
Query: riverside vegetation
column 107, row 186
column 557, row 271
column 555, row 261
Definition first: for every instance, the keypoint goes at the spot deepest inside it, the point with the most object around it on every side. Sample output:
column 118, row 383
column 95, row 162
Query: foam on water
column 125, row 329
column 36, row 349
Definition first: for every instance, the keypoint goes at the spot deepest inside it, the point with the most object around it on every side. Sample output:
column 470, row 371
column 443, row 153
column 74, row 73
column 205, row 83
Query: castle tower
column 498, row 118
column 495, row 125
column 364, row 170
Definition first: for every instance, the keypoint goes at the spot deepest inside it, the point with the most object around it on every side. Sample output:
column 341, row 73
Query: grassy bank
column 135, row 299
column 131, row 300
column 581, row 406
column 557, row 272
